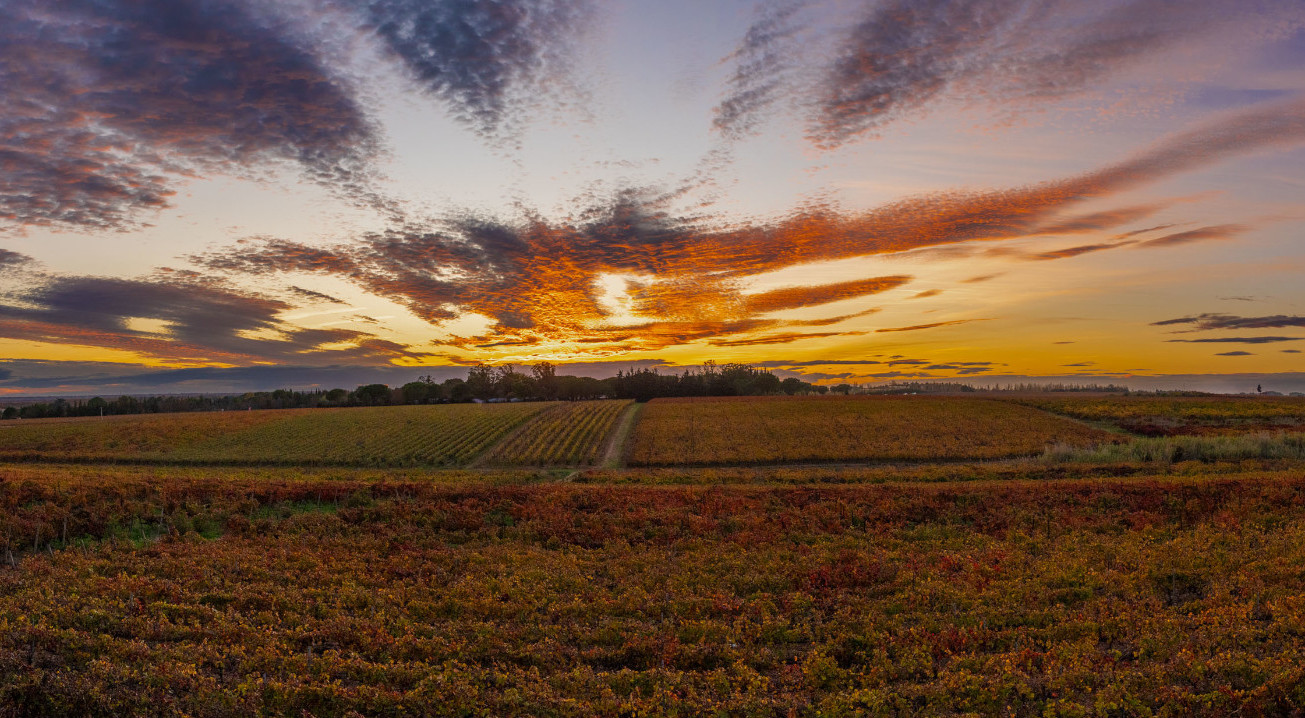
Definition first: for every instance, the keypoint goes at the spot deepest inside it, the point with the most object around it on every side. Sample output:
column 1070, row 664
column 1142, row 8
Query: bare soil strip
column 614, row 454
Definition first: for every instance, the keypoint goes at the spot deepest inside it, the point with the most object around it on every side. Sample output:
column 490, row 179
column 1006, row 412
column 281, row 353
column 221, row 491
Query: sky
column 228, row 195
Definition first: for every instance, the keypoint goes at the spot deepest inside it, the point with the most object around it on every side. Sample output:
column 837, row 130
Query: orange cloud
column 539, row 281
column 1220, row 231
column 1076, row 251
column 782, row 338
column 831, row 320
column 684, row 298
column 197, row 323
column 797, row 297
column 1097, row 221
column 918, row 327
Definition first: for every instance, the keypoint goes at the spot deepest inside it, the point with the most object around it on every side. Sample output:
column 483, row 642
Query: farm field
column 144, row 435
column 312, row 592
column 573, row 434
column 436, row 435
column 1182, row 415
column 860, row 428
column 331, row 570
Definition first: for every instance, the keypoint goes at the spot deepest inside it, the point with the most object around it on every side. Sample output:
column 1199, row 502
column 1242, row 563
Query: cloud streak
column 482, row 58
column 798, row 297
column 904, row 57
column 762, row 64
column 781, row 338
column 108, row 379
column 107, row 104
column 919, row 327
column 1081, row 249
column 538, row 281
column 313, row 296
column 1221, row 231
column 184, row 322
column 1229, row 321
column 1238, row 340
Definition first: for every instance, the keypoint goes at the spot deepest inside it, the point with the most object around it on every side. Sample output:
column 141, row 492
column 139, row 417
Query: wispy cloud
column 9, row 259
column 901, row 56
column 1238, row 340
column 1220, row 231
column 1103, row 220
column 1229, row 321
column 186, row 322
column 485, row 59
column 108, row 379
column 1234, row 354
column 104, row 106
column 314, row 296
column 1076, row 251
column 781, row 338
column 777, row 363
column 905, row 56
column 1145, row 230
column 958, row 368
column 762, row 63
column 797, row 297
column 538, row 280
column 918, row 327
column 830, row 321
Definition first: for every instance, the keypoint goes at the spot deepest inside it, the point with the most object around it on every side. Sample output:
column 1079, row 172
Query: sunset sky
column 221, row 195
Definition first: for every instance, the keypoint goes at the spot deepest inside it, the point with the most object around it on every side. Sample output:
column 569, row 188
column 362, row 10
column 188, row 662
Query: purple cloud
column 764, row 59
column 186, row 321
column 480, row 56
column 904, row 56
column 9, row 259
column 104, row 104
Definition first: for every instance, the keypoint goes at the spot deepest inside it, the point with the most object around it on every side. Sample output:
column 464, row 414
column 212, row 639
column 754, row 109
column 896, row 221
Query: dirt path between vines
column 615, row 451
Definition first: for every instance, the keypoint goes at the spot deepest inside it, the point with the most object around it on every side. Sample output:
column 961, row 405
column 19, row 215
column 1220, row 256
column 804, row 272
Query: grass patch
column 1173, row 449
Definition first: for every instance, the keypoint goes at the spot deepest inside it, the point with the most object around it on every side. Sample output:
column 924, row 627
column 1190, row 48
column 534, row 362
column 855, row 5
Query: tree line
column 506, row 382
column 483, row 383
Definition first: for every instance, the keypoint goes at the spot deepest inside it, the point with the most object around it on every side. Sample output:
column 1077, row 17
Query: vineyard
column 443, row 435
column 440, row 435
column 1181, row 415
column 365, row 562
column 798, row 429
column 230, row 592
column 574, row 434
column 115, row 437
